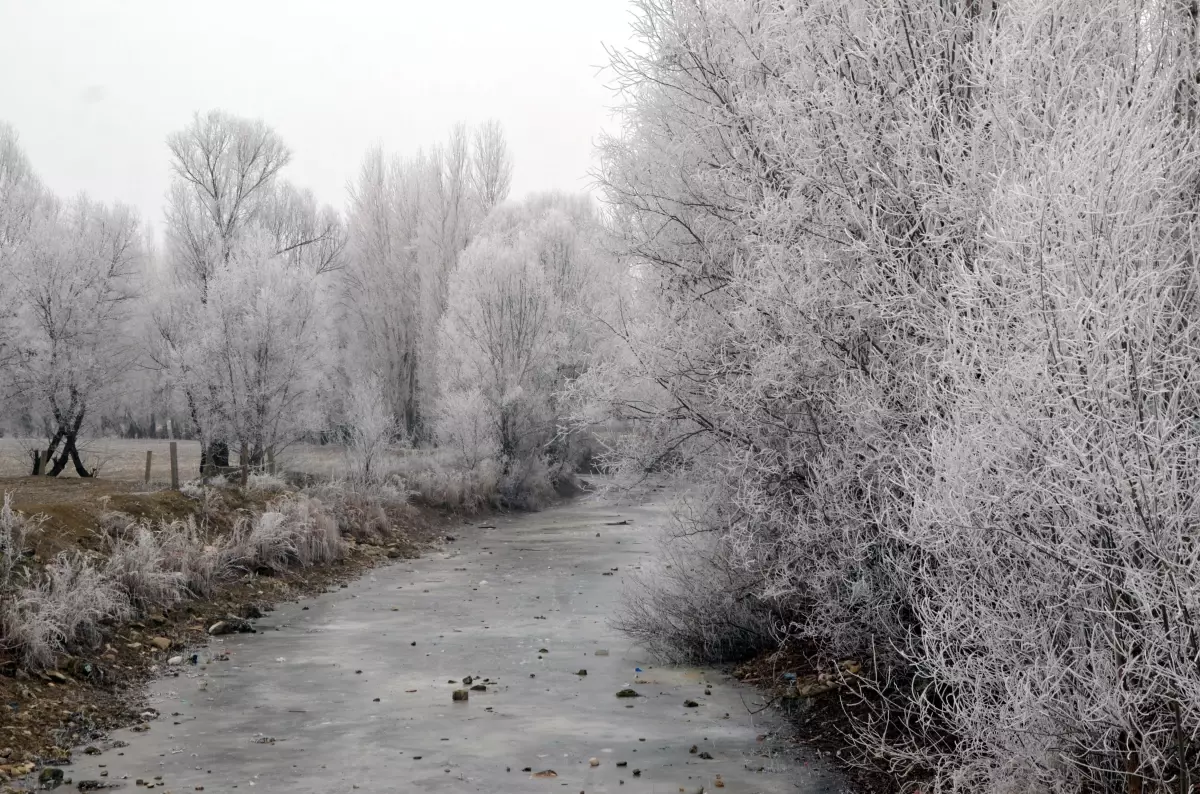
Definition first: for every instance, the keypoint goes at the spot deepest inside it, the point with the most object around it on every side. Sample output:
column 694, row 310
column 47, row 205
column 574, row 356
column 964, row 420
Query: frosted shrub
column 294, row 531
column 317, row 539
column 138, row 564
column 693, row 605
column 259, row 482
column 200, row 563
column 14, row 532
column 458, row 487
column 60, row 610
column 918, row 299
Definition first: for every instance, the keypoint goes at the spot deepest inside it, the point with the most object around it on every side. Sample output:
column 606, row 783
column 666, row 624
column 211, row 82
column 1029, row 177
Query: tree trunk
column 70, row 450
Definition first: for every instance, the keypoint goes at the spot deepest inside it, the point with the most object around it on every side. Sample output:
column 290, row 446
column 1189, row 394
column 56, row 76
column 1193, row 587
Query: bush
column 14, row 533
column 138, row 564
column 202, row 565
column 295, row 530
column 60, row 610
column 365, row 509
column 527, row 485
column 454, row 487
column 693, row 606
column 259, row 482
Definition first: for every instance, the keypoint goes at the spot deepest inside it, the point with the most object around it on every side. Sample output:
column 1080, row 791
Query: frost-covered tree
column 21, row 197
column 491, row 166
column 259, row 349
column 914, row 303
column 74, row 277
column 518, row 327
column 228, row 209
column 408, row 222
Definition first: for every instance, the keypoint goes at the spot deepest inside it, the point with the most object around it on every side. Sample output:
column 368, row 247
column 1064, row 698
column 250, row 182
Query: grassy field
column 125, row 460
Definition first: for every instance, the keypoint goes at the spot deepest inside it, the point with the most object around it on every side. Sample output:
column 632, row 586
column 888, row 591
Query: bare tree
column 224, row 171
column 75, row 280
column 21, row 200
column 226, row 198
column 491, row 166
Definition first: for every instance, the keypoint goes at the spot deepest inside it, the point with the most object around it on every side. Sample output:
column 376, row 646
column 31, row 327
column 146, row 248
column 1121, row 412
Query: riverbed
column 353, row 690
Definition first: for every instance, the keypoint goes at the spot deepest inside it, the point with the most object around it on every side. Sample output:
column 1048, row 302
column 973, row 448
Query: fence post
column 244, row 463
column 174, row 466
column 37, row 462
column 148, row 453
column 271, row 461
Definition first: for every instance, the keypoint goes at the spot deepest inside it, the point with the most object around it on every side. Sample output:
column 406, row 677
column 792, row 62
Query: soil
column 823, row 703
column 45, row 717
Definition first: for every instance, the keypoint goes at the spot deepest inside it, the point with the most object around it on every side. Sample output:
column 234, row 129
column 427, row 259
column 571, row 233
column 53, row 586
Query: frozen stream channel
column 353, row 690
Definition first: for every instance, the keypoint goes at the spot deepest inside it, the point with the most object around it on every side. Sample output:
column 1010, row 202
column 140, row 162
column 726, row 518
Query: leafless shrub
column 446, row 485
column 365, row 508
column 15, row 530
column 694, row 606
column 60, row 610
column 294, row 531
column 138, row 564
column 527, row 485
column 266, row 483
column 201, row 563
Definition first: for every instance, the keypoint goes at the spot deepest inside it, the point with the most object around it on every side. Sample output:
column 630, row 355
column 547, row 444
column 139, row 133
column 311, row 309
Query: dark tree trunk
column 70, row 451
column 214, row 458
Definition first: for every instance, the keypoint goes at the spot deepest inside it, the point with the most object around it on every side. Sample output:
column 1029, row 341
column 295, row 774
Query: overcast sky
column 93, row 87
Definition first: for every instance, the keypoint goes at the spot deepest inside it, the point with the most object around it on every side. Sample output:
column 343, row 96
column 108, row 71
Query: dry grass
column 114, row 458
column 125, row 459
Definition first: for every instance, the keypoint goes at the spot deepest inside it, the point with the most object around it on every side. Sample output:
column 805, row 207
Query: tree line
column 262, row 317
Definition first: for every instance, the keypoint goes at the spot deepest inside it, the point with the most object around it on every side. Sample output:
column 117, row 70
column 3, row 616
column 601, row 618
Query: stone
column 467, row 680
column 162, row 643
column 231, row 625
column 694, row 749
column 50, row 778
column 479, row 688
column 622, row 764
column 460, row 695
column 175, row 660
column 691, row 704
column 602, row 652
column 593, row 762
column 637, row 773
column 707, row 756
column 545, row 773
column 581, row 672
column 628, row 693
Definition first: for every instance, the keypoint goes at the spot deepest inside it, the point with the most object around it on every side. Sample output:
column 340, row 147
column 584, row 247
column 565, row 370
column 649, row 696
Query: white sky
column 93, row 87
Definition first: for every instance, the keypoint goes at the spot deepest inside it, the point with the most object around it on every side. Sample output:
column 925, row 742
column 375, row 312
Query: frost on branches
column 915, row 304
column 244, row 333
column 520, row 325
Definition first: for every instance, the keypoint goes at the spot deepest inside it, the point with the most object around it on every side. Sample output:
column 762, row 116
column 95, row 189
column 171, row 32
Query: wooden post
column 148, row 453
column 271, row 461
column 244, row 463
column 37, row 462
column 174, row 466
